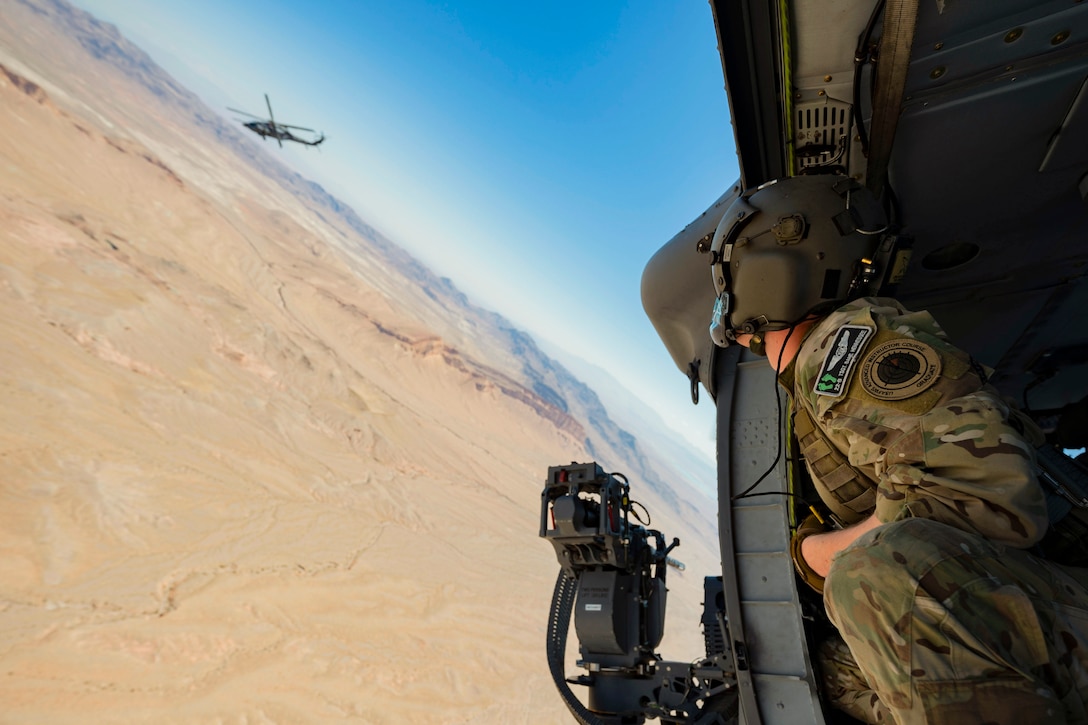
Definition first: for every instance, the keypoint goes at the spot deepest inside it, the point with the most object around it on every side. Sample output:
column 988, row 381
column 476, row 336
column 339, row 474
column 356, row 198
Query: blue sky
column 538, row 155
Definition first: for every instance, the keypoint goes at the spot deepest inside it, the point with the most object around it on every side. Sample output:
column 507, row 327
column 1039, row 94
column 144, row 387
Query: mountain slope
column 259, row 463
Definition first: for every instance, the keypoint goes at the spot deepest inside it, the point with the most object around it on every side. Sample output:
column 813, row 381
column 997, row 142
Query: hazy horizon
column 536, row 158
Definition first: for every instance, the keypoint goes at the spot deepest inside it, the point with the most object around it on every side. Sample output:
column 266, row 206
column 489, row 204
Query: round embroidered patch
column 899, row 369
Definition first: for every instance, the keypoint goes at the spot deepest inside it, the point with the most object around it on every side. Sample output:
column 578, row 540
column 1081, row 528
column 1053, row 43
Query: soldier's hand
column 811, row 525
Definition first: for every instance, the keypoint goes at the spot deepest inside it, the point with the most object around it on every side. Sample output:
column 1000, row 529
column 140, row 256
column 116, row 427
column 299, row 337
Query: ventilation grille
column 822, row 132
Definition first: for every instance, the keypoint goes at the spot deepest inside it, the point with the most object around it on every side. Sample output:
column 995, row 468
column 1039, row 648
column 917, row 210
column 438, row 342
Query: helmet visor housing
column 784, row 248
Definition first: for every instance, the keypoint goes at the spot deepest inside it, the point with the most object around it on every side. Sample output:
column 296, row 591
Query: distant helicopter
column 279, row 131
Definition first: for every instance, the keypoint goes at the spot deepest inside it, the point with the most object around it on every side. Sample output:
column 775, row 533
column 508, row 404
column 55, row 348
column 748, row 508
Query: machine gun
column 612, row 577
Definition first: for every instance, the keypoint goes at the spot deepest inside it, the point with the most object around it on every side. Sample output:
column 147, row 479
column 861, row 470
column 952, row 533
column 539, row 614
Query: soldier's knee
column 876, row 579
column 912, row 545
column 874, row 562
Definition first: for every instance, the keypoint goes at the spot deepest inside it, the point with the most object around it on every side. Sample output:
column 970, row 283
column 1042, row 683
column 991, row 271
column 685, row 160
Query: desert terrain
column 251, row 468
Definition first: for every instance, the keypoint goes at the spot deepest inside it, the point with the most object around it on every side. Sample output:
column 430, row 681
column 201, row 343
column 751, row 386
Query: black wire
column 855, row 111
column 778, row 410
column 797, row 496
column 862, row 56
column 891, row 205
column 645, row 522
column 1027, row 389
column 816, row 310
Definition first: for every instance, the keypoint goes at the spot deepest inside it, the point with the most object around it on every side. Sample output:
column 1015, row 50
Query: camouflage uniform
column 946, row 618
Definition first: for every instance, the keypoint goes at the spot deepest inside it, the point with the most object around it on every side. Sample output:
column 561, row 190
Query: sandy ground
column 239, row 484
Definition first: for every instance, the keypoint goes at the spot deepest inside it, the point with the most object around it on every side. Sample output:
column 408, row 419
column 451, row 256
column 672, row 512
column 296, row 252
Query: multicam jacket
column 915, row 416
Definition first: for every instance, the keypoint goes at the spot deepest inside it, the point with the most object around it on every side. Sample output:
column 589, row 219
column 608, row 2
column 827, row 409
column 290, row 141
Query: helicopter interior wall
column 976, row 164
column 989, row 166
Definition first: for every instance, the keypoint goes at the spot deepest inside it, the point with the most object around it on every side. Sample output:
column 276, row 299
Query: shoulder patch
column 840, row 360
column 900, row 369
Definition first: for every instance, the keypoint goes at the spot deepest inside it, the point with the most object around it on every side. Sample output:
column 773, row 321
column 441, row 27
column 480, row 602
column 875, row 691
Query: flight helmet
column 789, row 248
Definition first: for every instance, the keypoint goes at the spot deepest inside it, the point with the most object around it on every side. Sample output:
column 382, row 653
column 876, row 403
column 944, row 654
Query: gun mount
column 612, row 577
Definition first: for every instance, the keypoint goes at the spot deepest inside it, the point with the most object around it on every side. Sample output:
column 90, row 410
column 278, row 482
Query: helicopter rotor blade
column 272, row 120
column 297, row 128
column 235, row 110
